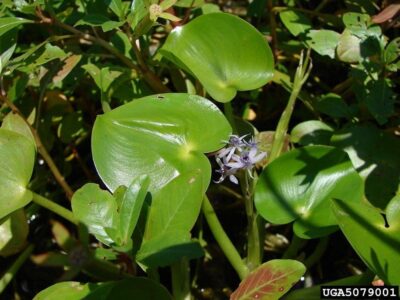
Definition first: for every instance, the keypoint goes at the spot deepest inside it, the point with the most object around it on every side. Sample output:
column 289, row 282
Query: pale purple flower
column 247, row 159
column 225, row 171
column 238, row 155
column 235, row 143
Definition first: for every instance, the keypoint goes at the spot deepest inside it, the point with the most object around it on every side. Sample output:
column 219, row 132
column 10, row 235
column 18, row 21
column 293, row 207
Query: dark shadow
column 172, row 254
column 138, row 233
column 373, row 149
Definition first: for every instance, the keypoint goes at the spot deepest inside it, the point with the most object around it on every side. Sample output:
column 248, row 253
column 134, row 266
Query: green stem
column 180, row 272
column 223, row 240
column 302, row 73
column 105, row 270
column 254, row 248
column 295, row 245
column 54, row 207
column 9, row 275
column 318, row 252
column 230, row 116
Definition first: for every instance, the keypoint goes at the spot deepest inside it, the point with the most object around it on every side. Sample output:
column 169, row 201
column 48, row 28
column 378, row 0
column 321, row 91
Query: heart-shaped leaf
column 270, row 281
column 168, row 146
column 376, row 242
column 299, row 184
column 224, row 52
column 141, row 288
column 17, row 158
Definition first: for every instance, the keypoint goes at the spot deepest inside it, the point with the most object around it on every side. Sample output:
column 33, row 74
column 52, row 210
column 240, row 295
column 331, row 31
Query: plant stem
column 54, row 207
column 223, row 240
column 318, row 252
column 254, row 246
column 180, row 272
column 105, row 270
column 10, row 273
column 295, row 245
column 40, row 147
column 302, row 73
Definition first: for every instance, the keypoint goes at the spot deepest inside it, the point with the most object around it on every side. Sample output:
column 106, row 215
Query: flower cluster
column 238, row 154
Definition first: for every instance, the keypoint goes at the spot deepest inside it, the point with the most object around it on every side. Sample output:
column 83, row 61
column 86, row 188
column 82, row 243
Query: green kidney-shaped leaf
column 298, row 186
column 270, row 281
column 164, row 137
column 224, row 52
column 377, row 244
column 139, row 288
column 17, row 158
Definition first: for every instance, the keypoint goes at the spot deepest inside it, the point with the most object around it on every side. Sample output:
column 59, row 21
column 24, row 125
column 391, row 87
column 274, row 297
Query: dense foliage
column 193, row 149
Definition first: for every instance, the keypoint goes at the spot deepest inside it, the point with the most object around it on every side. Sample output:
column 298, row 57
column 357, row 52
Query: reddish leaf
column 388, row 13
column 270, row 281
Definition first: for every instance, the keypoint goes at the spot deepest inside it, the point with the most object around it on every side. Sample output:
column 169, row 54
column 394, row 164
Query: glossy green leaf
column 224, row 52
column 97, row 209
column 377, row 245
column 14, row 122
column 141, row 288
column 131, row 206
column 14, row 230
column 324, row 42
column 17, row 158
column 132, row 140
column 270, row 281
column 371, row 152
column 8, row 23
column 167, row 249
column 311, row 132
column 298, row 185
column 296, row 22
